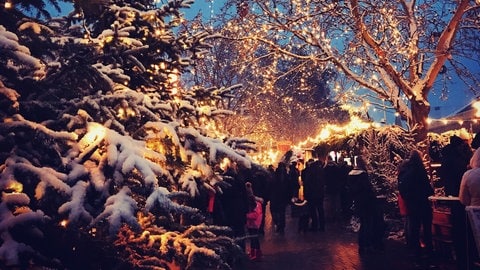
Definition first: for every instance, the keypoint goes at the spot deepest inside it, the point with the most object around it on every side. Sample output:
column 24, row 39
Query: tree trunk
column 420, row 110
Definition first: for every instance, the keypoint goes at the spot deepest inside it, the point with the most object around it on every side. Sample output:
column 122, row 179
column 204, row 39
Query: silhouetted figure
column 259, row 181
column 279, row 197
column 313, row 191
column 415, row 188
column 345, row 199
column 235, row 204
column 333, row 187
column 293, row 183
column 366, row 208
column 476, row 141
column 455, row 160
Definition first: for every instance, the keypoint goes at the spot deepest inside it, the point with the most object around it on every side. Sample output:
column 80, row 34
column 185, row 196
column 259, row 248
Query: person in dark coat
column 415, row 188
column 259, row 182
column 313, row 191
column 345, row 200
column 234, row 201
column 366, row 208
column 293, row 183
column 333, row 186
column 279, row 197
column 476, row 141
column 455, row 160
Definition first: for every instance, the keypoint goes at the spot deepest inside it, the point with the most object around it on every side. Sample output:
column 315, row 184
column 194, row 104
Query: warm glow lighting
column 324, row 134
column 15, row 187
column 8, row 5
column 173, row 78
column 476, row 105
column 64, row 223
column 429, row 121
column 95, row 132
column 327, row 132
column 121, row 113
column 225, row 163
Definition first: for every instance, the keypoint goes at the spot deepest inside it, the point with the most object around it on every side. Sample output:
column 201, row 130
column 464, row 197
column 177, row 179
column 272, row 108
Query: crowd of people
column 460, row 177
column 319, row 191
column 322, row 192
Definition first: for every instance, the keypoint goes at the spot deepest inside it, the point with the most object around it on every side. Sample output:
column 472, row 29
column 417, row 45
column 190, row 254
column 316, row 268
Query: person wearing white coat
column 469, row 195
column 470, row 186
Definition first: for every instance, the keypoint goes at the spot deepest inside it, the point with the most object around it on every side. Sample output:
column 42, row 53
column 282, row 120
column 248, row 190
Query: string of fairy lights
column 8, row 5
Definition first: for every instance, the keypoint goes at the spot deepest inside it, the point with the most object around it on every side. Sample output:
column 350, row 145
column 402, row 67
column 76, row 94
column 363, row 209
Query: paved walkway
column 334, row 249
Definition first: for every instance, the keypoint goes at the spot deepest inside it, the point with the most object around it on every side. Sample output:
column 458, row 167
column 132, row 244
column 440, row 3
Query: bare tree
column 400, row 51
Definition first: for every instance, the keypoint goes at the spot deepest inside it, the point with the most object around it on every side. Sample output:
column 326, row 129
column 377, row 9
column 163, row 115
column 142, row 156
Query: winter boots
column 255, row 254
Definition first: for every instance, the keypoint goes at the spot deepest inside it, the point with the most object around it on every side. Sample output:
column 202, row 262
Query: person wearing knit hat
column 254, row 219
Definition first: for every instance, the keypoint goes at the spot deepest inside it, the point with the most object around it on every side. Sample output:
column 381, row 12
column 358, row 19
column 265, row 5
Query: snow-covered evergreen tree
column 102, row 147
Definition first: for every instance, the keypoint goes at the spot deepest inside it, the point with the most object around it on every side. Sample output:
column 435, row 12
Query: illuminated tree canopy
column 399, row 52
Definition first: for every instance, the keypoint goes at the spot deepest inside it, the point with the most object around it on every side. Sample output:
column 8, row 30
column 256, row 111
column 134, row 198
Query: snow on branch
column 124, row 153
column 35, row 27
column 45, row 175
column 187, row 246
column 10, row 250
column 217, row 148
column 9, row 46
column 26, row 215
column 119, row 208
column 241, row 143
column 162, row 197
column 130, row 153
column 10, row 94
column 75, row 207
column 22, row 215
column 110, row 74
column 163, row 130
column 17, row 121
column 188, row 183
column 198, row 247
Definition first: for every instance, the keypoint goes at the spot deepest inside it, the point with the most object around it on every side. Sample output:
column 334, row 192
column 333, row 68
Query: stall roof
column 465, row 117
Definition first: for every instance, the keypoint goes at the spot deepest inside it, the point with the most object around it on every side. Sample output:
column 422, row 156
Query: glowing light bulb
column 63, row 223
column 95, row 132
column 15, row 187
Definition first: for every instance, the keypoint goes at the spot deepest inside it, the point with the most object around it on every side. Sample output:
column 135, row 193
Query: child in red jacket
column 254, row 219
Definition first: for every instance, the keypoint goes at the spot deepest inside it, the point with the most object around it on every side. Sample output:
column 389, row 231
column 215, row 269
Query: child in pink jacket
column 254, row 219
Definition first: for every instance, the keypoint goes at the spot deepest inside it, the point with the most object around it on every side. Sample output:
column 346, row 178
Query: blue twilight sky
column 440, row 107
